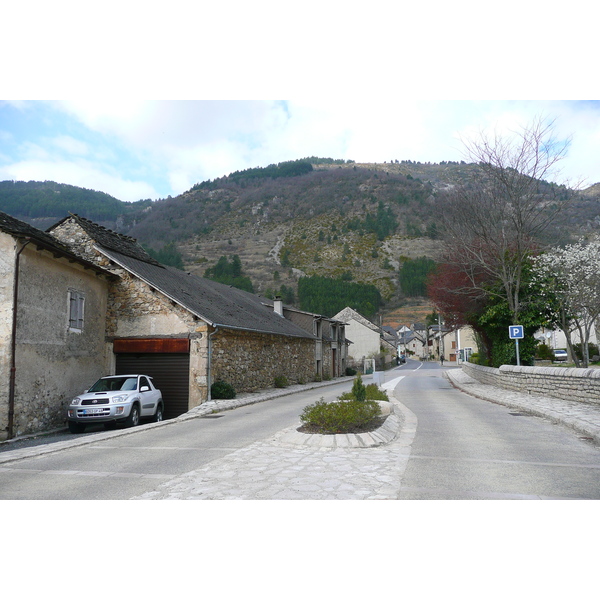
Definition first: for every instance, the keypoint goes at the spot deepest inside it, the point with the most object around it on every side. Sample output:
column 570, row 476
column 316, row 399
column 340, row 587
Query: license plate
column 93, row 411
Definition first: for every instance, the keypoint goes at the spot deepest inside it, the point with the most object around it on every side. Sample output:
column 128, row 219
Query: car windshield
column 113, row 384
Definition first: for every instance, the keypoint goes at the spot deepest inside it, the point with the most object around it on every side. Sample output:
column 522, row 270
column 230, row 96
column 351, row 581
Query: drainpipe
column 13, row 346
column 209, row 369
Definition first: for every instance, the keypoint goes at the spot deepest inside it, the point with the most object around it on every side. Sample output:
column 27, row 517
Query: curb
column 384, row 434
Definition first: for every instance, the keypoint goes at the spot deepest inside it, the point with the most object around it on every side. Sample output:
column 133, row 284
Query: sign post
column 515, row 332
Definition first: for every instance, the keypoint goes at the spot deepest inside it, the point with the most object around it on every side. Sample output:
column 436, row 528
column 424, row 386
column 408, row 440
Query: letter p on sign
column 515, row 332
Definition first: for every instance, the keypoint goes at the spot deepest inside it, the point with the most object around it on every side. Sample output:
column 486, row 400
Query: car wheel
column 158, row 415
column 134, row 416
column 76, row 427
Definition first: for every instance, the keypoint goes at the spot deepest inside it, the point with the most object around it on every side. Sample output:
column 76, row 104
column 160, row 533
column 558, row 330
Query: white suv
column 116, row 399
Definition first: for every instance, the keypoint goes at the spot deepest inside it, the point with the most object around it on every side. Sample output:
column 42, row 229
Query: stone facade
column 247, row 360
column 53, row 361
column 7, row 281
column 251, row 361
column 136, row 310
column 70, row 233
column 141, row 313
column 582, row 385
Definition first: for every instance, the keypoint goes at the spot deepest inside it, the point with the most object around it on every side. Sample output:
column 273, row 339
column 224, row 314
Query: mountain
column 42, row 203
column 312, row 216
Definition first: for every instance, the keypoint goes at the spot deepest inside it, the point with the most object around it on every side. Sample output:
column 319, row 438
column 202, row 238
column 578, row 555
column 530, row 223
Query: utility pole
column 441, row 339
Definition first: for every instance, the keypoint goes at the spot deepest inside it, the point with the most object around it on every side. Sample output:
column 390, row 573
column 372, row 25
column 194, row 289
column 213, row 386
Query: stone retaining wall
column 250, row 361
column 557, row 382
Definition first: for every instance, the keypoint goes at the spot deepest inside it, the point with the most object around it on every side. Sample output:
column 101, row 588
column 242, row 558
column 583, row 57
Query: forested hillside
column 36, row 200
column 374, row 225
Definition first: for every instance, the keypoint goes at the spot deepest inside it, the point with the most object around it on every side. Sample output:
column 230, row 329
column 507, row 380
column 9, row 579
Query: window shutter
column 80, row 305
column 76, row 310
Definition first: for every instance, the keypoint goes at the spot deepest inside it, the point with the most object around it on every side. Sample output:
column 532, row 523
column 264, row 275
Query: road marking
column 87, row 473
column 390, row 385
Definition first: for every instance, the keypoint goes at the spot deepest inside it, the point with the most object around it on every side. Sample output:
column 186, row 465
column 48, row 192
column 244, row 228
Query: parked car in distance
column 560, row 355
column 116, row 399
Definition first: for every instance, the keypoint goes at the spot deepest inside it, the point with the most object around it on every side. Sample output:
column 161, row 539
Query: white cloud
column 70, row 145
column 155, row 148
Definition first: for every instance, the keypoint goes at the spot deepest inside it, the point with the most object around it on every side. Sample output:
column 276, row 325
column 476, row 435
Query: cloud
column 70, row 145
column 153, row 149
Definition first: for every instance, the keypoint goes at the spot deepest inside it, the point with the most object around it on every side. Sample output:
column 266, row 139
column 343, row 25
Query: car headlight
column 121, row 398
column 75, row 401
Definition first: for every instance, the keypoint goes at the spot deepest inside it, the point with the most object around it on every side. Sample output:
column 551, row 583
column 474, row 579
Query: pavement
column 295, row 466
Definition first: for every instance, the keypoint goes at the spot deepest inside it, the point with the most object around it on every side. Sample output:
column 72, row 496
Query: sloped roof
column 390, row 331
column 111, row 240
column 21, row 230
column 406, row 336
column 218, row 304
column 348, row 314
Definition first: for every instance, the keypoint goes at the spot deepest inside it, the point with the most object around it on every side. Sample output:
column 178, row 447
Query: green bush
column 544, row 352
column 592, row 350
column 220, row 390
column 475, row 358
column 281, row 381
column 350, row 371
column 372, row 393
column 359, row 393
column 343, row 416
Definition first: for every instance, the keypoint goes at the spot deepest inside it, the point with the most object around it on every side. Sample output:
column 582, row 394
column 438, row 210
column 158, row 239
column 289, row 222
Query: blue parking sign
column 515, row 332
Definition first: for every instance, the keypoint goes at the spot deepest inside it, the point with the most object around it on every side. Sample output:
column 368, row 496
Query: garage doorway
column 170, row 372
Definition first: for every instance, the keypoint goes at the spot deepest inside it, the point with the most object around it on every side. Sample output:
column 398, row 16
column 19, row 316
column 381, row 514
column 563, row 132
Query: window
column 76, row 309
column 318, row 328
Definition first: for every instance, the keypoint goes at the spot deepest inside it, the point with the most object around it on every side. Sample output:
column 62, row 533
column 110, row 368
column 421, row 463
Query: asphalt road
column 126, row 466
column 466, row 448
column 463, row 448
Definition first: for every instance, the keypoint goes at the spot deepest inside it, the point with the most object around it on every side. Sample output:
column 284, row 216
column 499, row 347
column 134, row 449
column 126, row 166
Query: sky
column 158, row 99
column 137, row 149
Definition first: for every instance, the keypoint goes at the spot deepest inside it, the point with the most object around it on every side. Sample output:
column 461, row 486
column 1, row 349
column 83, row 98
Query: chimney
column 278, row 306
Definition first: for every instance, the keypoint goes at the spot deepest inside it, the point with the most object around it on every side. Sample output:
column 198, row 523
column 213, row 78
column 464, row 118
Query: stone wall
column 7, row 281
column 251, row 361
column 70, row 233
column 54, row 362
column 557, row 382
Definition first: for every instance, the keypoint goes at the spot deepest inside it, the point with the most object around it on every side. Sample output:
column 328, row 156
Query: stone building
column 186, row 331
column 80, row 301
column 53, row 307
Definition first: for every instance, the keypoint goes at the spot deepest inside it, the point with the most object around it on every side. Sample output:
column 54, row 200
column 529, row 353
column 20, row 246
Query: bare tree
column 494, row 222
